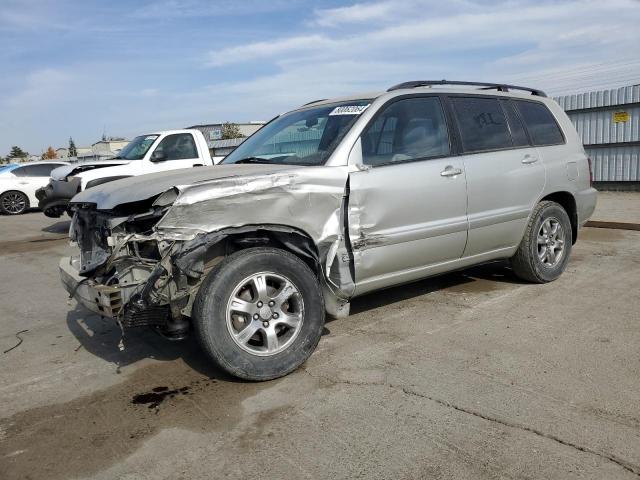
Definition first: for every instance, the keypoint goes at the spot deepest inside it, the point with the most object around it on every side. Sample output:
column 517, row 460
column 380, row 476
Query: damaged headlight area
column 124, row 268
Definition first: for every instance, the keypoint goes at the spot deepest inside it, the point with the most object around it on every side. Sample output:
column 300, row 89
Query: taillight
column 590, row 172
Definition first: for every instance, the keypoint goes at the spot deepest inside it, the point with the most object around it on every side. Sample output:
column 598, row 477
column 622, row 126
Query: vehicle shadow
column 101, row 336
column 482, row 278
column 58, row 227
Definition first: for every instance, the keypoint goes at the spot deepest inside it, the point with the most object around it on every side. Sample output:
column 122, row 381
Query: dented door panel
column 404, row 218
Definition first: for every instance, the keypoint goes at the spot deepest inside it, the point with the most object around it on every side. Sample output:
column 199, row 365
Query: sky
column 126, row 67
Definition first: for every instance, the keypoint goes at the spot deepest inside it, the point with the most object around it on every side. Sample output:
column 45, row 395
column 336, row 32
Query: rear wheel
column 13, row 203
column 259, row 314
column 545, row 248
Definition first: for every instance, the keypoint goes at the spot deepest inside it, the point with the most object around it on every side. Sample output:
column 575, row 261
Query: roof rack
column 501, row 87
column 315, row 101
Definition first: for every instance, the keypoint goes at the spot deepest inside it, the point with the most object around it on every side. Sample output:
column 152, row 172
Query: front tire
column 544, row 251
column 259, row 314
column 13, row 203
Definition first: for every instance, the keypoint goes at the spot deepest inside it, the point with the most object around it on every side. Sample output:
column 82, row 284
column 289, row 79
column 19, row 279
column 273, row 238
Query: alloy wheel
column 265, row 313
column 14, row 202
column 551, row 242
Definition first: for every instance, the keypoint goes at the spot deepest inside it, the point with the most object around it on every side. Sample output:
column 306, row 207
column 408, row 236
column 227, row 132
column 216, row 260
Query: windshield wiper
column 253, row 160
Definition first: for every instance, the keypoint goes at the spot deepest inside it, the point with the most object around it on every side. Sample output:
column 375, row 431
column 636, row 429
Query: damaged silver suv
column 330, row 201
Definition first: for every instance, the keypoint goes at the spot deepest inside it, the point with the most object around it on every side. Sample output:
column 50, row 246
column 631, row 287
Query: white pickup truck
column 155, row 152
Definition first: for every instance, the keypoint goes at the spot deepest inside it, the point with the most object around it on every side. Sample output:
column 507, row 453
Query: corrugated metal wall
column 598, row 127
column 608, row 121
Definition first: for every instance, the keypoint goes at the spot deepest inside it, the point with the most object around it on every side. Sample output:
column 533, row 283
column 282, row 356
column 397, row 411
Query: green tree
column 73, row 152
column 17, row 152
column 3, row 160
column 231, row 130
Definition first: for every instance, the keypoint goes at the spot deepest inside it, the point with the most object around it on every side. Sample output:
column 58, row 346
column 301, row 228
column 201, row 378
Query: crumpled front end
column 143, row 262
column 117, row 267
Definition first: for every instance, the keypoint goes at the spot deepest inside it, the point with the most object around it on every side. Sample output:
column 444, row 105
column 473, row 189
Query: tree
column 3, row 160
column 50, row 154
column 231, row 130
column 73, row 152
column 17, row 152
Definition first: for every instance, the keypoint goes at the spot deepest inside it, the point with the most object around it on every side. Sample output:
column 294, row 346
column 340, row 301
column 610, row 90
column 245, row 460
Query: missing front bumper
column 111, row 301
column 101, row 299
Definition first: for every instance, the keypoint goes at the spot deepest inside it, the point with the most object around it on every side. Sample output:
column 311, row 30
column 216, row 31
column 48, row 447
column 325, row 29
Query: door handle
column 529, row 159
column 449, row 171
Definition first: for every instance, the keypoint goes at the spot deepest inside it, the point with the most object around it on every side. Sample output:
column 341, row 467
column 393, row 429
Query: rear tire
column 544, row 251
column 259, row 314
column 13, row 203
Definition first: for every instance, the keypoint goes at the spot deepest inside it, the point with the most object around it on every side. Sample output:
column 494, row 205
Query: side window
column 40, row 170
column 518, row 134
column 482, row 124
column 20, row 171
column 540, row 122
column 413, row 128
column 44, row 170
column 178, row 146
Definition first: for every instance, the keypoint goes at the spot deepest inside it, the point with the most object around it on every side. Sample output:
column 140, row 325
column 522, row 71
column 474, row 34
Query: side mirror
column 158, row 156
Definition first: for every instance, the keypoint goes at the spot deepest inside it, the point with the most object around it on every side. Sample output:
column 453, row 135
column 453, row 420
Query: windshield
column 136, row 148
column 301, row 137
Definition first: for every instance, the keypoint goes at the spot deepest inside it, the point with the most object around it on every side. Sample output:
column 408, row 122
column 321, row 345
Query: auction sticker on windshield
column 349, row 110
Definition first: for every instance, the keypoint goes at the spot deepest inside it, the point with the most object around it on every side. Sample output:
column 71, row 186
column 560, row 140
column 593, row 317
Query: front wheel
column 544, row 251
column 13, row 203
column 259, row 314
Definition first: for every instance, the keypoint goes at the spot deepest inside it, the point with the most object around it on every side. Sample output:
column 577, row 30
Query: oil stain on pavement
column 91, row 433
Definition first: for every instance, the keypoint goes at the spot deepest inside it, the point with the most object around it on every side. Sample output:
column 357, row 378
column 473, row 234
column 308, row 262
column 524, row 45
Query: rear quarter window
column 482, row 124
column 518, row 133
column 541, row 124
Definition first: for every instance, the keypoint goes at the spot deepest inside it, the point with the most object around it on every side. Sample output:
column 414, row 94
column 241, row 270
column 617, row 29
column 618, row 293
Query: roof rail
column 315, row 101
column 501, row 87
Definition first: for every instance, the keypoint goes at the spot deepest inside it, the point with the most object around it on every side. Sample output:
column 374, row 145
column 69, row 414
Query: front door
column 178, row 150
column 408, row 201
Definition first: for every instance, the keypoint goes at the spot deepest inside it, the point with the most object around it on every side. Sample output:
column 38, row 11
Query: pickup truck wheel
column 544, row 251
column 13, row 203
column 259, row 314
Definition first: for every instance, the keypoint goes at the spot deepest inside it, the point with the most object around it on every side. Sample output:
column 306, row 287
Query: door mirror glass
column 158, row 156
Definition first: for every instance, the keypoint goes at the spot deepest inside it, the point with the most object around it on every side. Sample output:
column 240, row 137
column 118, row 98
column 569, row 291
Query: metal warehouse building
column 608, row 121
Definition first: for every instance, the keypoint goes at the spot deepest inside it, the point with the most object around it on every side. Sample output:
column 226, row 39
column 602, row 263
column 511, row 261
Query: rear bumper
column 586, row 204
column 101, row 299
column 54, row 198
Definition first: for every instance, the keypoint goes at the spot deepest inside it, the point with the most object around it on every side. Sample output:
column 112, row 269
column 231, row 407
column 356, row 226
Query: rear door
column 407, row 208
column 505, row 176
column 32, row 177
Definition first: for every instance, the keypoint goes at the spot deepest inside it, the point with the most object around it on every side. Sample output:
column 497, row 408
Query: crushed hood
column 63, row 172
column 134, row 189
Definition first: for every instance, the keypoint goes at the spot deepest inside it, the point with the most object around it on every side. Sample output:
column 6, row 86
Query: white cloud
column 262, row 50
column 504, row 40
column 358, row 13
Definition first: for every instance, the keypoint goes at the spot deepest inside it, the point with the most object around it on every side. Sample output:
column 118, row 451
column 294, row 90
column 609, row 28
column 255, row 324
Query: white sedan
column 19, row 182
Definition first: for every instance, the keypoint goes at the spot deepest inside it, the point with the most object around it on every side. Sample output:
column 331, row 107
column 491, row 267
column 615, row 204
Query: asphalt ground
column 470, row 375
